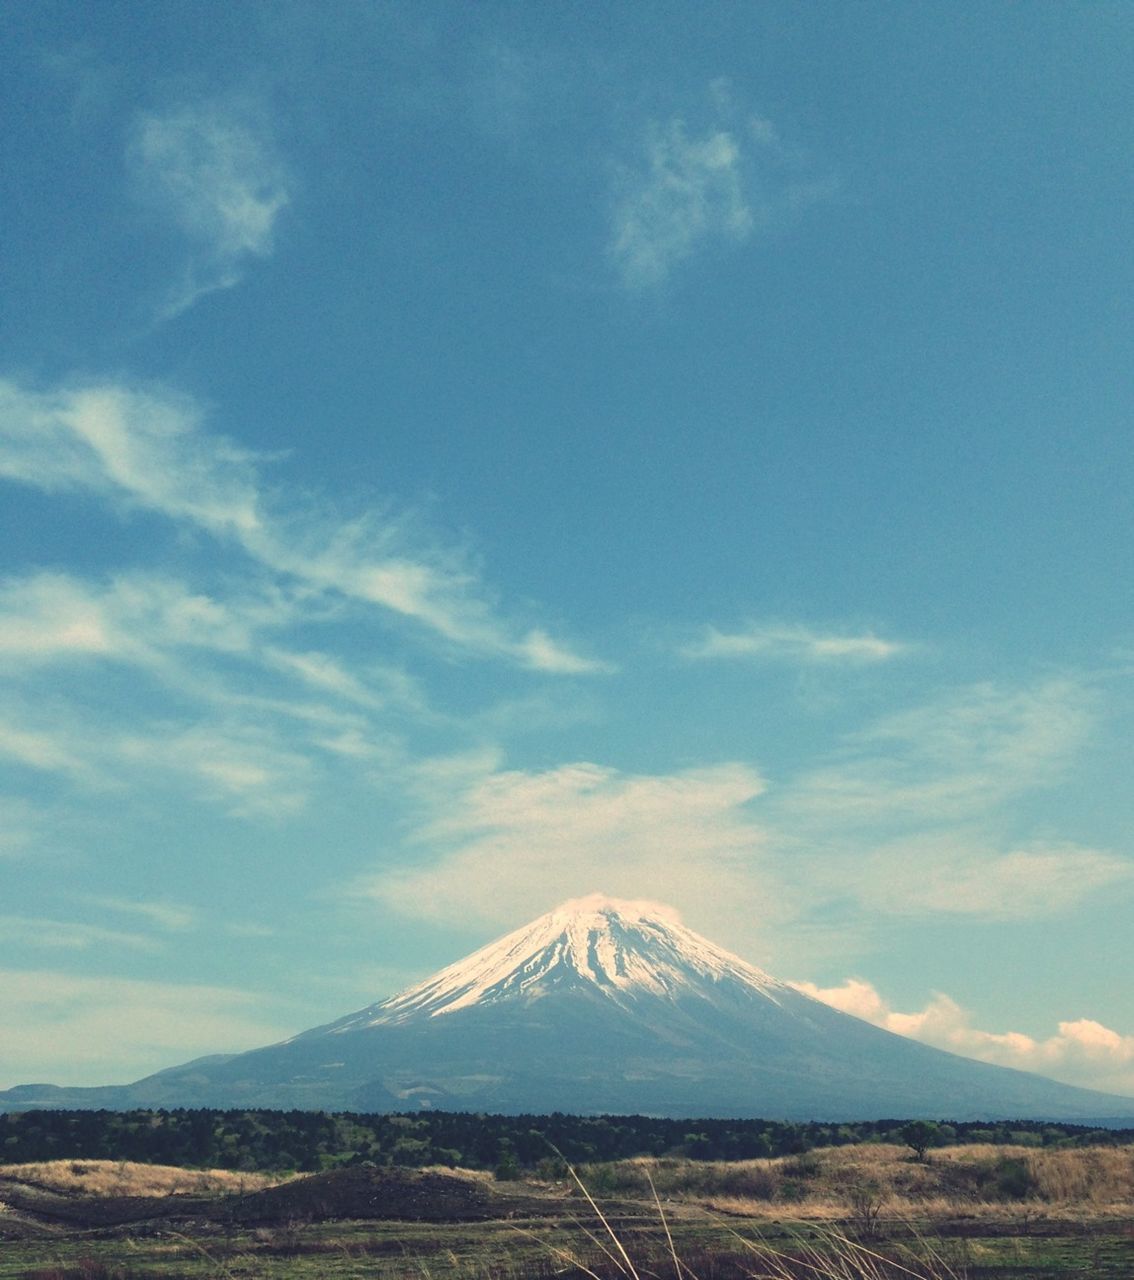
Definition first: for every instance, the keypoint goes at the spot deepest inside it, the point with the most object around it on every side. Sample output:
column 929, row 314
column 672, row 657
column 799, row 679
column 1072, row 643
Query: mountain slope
column 604, row 1006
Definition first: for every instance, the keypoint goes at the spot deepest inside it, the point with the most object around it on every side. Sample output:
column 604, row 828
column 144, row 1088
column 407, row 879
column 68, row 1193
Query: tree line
column 309, row 1141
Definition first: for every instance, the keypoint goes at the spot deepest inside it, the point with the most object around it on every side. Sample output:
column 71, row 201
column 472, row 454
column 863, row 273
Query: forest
column 306, row 1141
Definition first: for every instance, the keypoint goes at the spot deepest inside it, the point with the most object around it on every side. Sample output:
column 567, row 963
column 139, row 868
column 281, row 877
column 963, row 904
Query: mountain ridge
column 602, row 1006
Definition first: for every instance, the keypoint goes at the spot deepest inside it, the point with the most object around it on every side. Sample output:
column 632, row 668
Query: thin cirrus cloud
column 148, row 450
column 224, row 650
column 944, row 876
column 20, row 827
column 216, row 178
column 688, row 190
column 44, row 749
column 159, row 623
column 219, row 701
column 165, row 915
column 36, row 932
column 133, row 447
column 908, row 816
column 950, row 761
column 244, row 766
column 1082, row 1052
column 778, row 642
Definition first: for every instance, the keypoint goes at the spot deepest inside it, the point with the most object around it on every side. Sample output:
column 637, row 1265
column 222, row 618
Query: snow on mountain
column 620, row 949
column 602, row 1007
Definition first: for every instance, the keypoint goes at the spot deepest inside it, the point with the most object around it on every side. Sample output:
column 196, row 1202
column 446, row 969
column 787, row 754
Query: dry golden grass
column 858, row 1181
column 125, row 1178
column 1091, row 1175
column 811, row 1210
column 470, row 1175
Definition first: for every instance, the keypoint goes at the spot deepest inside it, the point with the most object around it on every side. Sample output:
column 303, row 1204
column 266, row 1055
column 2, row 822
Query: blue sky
column 459, row 458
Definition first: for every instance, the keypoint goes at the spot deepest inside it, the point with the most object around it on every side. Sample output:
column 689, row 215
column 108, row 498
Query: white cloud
column 135, row 618
column 325, row 674
column 130, row 445
column 116, row 1029
column 149, row 451
column 210, row 710
column 539, row 652
column 173, row 632
column 1082, row 1052
column 689, row 189
column 792, row 643
column 1026, row 734
column 46, row 616
column 909, row 823
column 514, row 842
column 217, row 179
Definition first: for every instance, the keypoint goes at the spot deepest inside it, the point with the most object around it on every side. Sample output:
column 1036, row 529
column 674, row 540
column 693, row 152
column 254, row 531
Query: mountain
column 603, row 1006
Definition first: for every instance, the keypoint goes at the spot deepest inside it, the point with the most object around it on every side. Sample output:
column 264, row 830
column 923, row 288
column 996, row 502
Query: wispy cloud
column 244, row 765
column 951, row 760
column 161, row 624
column 135, row 618
column 221, row 703
column 907, row 820
column 229, row 707
column 38, row 932
column 149, row 450
column 213, row 172
column 42, row 749
column 909, row 815
column 514, row 842
column 778, row 642
column 139, row 448
column 20, row 826
column 690, row 188
column 1082, row 1051
column 167, row 916
column 947, row 875
column 539, row 652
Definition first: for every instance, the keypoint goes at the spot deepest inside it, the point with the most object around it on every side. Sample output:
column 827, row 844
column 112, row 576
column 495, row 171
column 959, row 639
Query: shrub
column 1012, row 1179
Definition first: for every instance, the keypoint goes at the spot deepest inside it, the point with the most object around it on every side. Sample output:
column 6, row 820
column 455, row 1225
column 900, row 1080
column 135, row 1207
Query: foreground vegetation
column 856, row 1212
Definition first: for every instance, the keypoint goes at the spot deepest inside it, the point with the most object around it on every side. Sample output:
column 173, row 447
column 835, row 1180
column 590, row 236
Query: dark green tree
column 920, row 1135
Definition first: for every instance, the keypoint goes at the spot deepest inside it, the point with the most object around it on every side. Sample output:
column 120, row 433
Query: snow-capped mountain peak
column 603, row 1007
column 618, row 948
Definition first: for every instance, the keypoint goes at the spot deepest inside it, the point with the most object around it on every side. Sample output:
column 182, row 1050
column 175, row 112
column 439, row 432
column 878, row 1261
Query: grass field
column 856, row 1213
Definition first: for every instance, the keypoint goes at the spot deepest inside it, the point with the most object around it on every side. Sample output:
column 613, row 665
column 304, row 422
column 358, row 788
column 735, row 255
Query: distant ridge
column 603, row 1006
